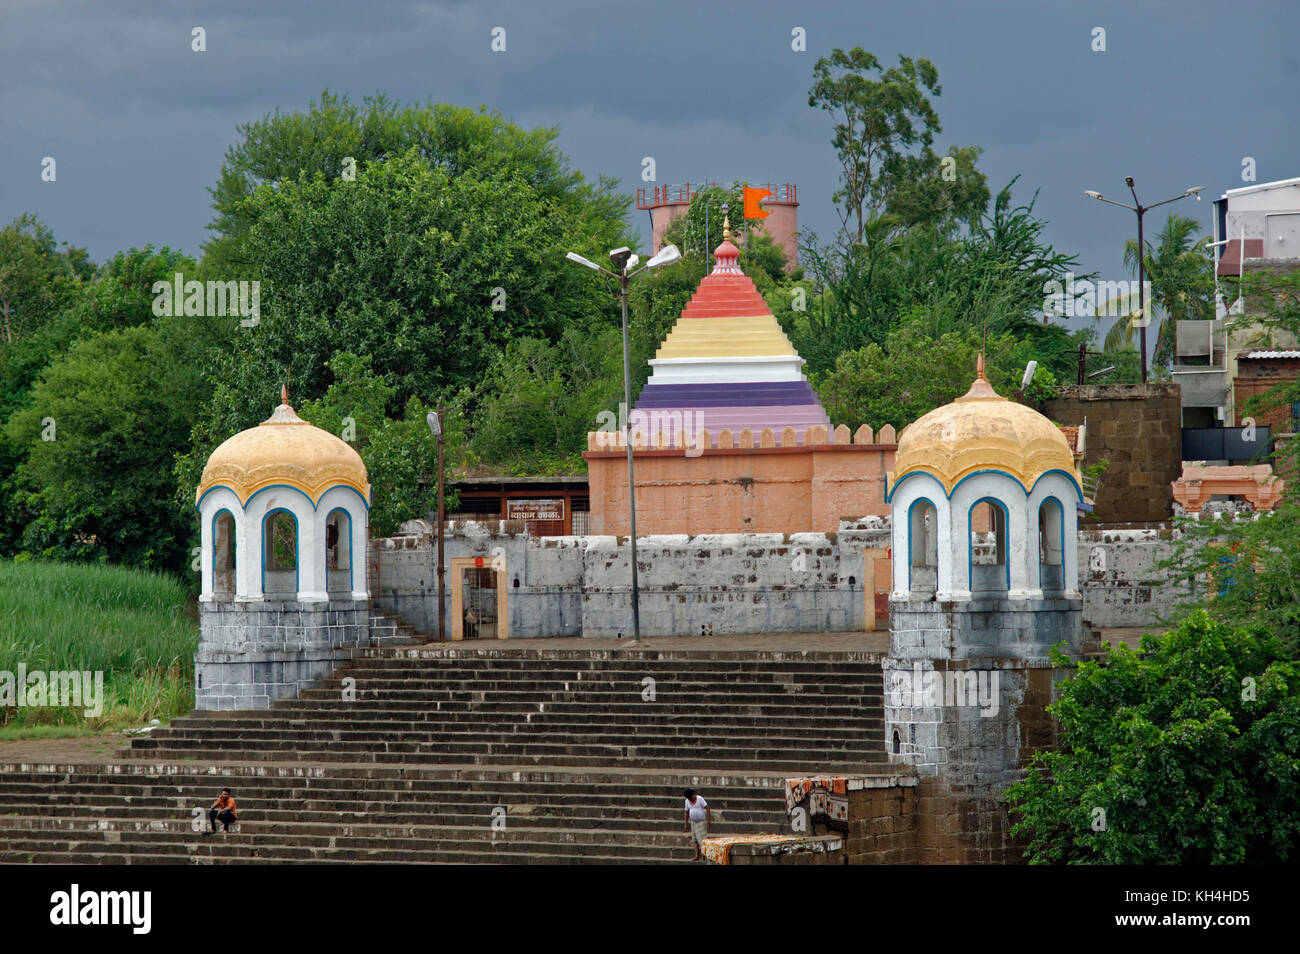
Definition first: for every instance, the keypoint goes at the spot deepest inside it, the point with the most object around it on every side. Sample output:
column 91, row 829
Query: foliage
column 118, row 296
column 129, row 624
column 1247, row 568
column 404, row 264
column 539, row 400
column 97, row 438
column 1190, row 748
column 884, row 128
column 913, row 373
column 699, row 231
column 36, row 277
column 989, row 281
column 400, row 455
column 1181, row 274
column 281, row 148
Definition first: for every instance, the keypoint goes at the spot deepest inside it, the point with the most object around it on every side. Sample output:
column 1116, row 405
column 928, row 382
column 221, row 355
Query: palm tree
column 1182, row 286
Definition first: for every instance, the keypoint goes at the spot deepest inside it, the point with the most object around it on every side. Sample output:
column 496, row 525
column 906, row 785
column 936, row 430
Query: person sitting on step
column 223, row 810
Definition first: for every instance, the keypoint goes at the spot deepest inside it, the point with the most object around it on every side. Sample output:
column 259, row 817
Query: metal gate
column 478, row 603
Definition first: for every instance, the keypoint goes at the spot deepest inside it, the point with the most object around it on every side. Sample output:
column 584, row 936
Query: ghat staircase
column 468, row 753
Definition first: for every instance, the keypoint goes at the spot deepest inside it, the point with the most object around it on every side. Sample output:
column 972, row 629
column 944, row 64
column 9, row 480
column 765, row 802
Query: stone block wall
column 967, row 687
column 1138, row 428
column 253, row 654
column 1121, row 580
column 689, row 585
column 884, row 824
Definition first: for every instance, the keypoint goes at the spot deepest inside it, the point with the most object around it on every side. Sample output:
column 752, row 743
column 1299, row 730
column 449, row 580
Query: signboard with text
column 545, row 509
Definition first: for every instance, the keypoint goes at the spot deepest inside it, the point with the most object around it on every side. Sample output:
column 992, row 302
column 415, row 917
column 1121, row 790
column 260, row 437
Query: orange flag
column 752, row 198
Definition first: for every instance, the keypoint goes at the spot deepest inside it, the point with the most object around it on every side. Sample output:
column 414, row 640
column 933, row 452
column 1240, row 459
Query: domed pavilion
column 984, row 495
column 284, row 511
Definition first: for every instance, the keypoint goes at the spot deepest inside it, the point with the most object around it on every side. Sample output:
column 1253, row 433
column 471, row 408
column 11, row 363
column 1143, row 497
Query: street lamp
column 1141, row 210
column 624, row 263
column 435, row 428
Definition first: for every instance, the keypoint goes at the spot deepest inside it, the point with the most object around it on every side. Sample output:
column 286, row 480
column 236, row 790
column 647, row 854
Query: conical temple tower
column 727, row 364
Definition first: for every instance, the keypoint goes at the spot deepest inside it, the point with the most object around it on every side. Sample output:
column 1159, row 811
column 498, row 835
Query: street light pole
column 624, row 261
column 1141, row 210
column 631, row 482
column 435, row 422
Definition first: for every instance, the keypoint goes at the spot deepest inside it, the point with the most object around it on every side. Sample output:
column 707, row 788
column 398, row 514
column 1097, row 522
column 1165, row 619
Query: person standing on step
column 223, row 810
column 698, row 817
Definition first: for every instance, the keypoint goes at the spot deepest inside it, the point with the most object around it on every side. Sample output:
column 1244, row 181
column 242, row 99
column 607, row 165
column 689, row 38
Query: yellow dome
column 982, row 431
column 284, row 449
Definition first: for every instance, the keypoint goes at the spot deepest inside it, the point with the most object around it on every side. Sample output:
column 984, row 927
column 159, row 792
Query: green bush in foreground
column 129, row 624
column 1185, row 753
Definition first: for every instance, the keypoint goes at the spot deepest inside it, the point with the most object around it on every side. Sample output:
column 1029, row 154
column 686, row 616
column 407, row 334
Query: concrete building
column 1255, row 228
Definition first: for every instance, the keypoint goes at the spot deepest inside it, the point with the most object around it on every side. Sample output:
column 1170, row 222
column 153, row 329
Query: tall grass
column 132, row 625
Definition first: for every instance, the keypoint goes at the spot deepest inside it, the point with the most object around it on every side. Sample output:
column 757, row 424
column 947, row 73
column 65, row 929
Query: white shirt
column 696, row 809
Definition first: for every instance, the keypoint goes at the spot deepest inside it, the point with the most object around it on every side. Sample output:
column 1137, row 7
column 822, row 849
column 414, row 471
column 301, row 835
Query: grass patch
column 131, row 625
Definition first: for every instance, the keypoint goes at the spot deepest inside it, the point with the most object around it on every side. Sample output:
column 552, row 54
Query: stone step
column 144, row 812
column 642, row 715
column 305, row 708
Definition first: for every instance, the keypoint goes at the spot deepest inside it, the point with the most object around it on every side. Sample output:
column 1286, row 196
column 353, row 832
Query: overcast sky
column 138, row 123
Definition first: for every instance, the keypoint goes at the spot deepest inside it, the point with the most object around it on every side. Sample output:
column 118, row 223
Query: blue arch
column 350, row 560
column 234, row 547
column 970, row 547
column 889, row 494
column 297, row 549
column 935, row 507
column 314, row 504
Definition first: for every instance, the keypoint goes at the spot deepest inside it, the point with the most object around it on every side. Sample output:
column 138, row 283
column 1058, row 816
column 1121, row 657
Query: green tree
column 990, row 281
column 913, row 373
column 98, row 434
column 538, row 401
column 118, row 296
column 36, row 276
column 334, row 138
column 1189, row 748
column 1181, row 274
column 429, row 274
column 400, row 454
column 884, row 130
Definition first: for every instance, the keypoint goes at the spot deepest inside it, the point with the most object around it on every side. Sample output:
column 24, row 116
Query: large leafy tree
column 334, row 137
column 426, row 238
column 37, row 276
column 119, row 296
column 1187, row 753
column 884, row 128
column 98, row 434
column 399, row 454
column 913, row 373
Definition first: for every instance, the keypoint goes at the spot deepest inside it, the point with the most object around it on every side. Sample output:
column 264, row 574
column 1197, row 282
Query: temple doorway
column 478, row 598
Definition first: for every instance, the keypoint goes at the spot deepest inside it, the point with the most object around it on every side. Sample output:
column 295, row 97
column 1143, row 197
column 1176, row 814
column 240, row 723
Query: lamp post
column 435, row 427
column 1141, row 210
column 625, row 264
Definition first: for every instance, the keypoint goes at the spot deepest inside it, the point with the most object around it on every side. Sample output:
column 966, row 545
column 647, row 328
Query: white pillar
column 311, row 554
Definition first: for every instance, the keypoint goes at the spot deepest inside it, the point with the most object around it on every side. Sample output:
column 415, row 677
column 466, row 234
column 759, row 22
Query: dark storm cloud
column 139, row 123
